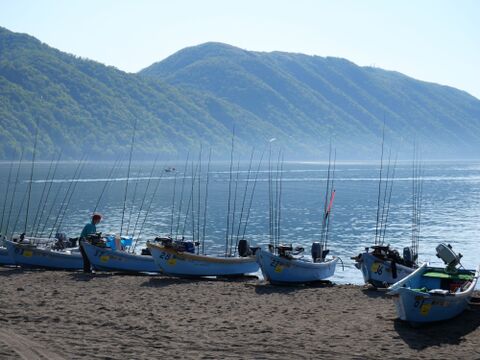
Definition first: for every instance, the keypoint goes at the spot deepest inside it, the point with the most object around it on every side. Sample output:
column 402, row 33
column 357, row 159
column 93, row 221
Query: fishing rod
column 332, row 198
column 389, row 200
column 148, row 211
column 145, row 194
column 19, row 213
column 41, row 197
column 245, row 190
column 193, row 203
column 31, row 175
column 134, row 198
column 52, row 206
column 414, row 215
column 10, row 211
column 66, row 195
column 75, row 182
column 106, row 183
column 385, row 192
column 280, row 200
column 205, row 202
column 185, row 169
column 234, row 207
column 6, row 197
column 277, row 200
column 128, row 175
column 37, row 225
column 270, row 197
column 327, row 193
column 419, row 211
column 229, row 191
column 189, row 204
column 252, row 194
column 379, row 186
column 199, row 195
column 173, row 202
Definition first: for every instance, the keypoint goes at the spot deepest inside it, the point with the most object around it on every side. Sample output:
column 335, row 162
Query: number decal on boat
column 27, row 253
column 425, row 309
column 104, row 258
column 172, row 261
column 278, row 268
column 377, row 268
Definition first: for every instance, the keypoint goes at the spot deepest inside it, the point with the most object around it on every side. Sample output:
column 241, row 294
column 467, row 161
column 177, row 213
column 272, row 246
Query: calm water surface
column 450, row 208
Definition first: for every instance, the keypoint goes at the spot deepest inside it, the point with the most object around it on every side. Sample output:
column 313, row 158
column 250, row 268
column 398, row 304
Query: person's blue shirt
column 88, row 229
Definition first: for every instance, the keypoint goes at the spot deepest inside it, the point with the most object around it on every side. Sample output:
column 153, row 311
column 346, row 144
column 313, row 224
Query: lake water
column 450, row 208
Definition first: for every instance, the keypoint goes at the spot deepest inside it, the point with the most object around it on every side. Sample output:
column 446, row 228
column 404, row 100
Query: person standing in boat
column 88, row 229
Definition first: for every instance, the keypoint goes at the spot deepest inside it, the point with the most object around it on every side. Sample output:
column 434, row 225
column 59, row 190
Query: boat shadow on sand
column 374, row 293
column 163, row 280
column 10, row 271
column 449, row 332
column 265, row 288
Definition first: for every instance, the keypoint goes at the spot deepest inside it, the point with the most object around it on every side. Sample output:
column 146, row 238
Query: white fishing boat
column 433, row 294
column 105, row 258
column 381, row 264
column 177, row 258
column 288, row 267
column 283, row 264
column 32, row 256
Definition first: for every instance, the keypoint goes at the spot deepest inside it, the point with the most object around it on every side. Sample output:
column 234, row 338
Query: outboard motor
column 316, row 252
column 408, row 256
column 448, row 256
column 243, row 248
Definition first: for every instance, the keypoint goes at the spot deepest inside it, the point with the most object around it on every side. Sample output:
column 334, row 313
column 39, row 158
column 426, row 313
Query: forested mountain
column 198, row 94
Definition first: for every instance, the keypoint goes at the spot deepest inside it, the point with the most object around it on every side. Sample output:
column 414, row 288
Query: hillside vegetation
column 200, row 93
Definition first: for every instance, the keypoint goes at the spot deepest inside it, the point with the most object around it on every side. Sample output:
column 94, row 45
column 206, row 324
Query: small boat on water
column 431, row 294
column 178, row 258
column 288, row 267
column 105, row 257
column 29, row 254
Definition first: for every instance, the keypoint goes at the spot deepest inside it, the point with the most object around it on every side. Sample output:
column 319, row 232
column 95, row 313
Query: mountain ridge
column 198, row 94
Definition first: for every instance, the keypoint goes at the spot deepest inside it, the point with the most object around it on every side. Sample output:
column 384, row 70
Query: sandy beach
column 69, row 315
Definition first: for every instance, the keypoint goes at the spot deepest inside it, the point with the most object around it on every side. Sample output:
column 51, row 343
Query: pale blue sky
column 432, row 40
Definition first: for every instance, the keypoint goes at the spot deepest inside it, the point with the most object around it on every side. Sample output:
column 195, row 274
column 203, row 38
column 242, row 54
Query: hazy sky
column 434, row 40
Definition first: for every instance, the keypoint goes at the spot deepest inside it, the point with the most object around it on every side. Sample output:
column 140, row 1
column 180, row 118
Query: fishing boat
column 431, row 294
column 105, row 257
column 287, row 267
column 30, row 255
column 284, row 264
column 381, row 264
column 178, row 258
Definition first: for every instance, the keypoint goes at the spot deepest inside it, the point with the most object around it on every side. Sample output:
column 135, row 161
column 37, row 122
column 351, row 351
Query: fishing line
column 205, row 202
column 47, row 195
column 128, row 175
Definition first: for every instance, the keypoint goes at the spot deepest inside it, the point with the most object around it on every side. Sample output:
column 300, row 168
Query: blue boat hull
column 32, row 257
column 113, row 260
column 419, row 299
column 380, row 273
column 280, row 270
column 5, row 258
column 186, row 264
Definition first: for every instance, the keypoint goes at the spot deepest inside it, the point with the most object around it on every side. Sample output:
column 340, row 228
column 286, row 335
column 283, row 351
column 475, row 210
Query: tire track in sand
column 25, row 348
